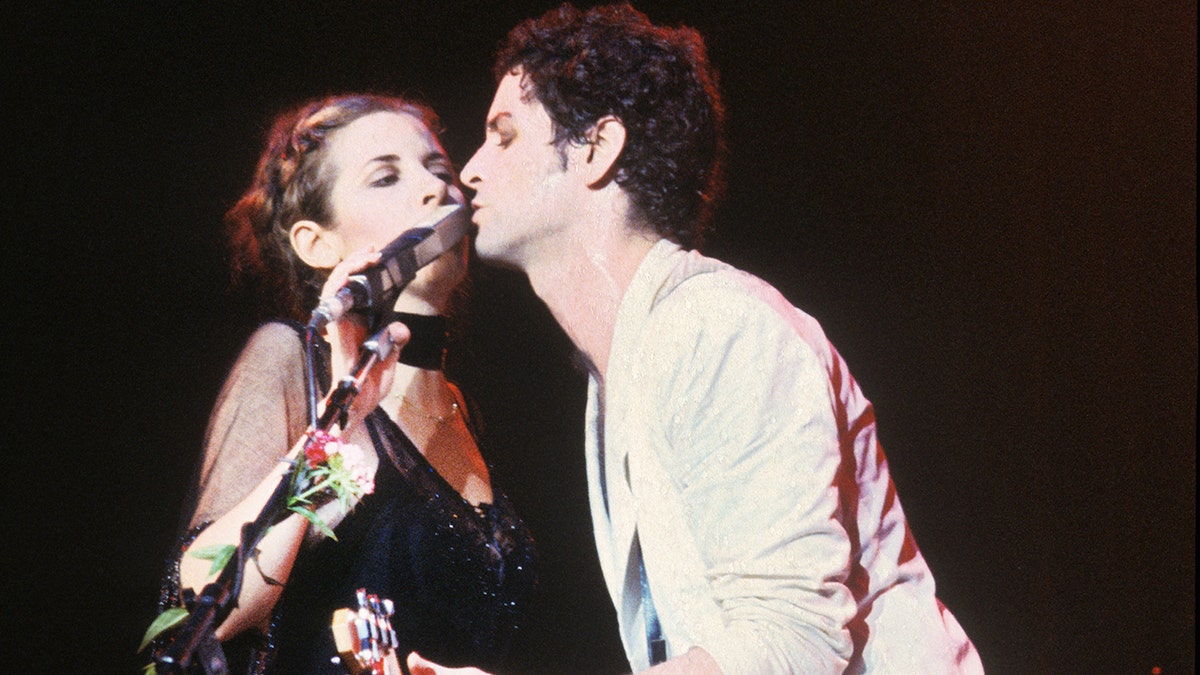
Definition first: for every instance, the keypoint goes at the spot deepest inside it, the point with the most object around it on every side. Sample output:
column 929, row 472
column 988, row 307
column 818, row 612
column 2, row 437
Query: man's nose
column 470, row 172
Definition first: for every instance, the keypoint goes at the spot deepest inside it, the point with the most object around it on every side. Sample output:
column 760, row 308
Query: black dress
column 460, row 576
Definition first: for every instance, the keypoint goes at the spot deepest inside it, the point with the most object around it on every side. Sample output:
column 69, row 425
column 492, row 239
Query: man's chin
column 495, row 255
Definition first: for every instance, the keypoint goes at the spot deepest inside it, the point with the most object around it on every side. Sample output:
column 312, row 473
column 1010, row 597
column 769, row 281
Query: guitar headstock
column 365, row 639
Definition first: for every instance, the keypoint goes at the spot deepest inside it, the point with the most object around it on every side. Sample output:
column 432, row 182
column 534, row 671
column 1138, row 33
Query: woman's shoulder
column 274, row 341
column 276, row 334
column 272, row 354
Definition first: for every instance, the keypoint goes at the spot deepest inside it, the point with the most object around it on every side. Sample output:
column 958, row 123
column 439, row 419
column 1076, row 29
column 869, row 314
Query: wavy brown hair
column 657, row 80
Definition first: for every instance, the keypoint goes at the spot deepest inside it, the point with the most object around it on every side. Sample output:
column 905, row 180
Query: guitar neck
column 365, row 640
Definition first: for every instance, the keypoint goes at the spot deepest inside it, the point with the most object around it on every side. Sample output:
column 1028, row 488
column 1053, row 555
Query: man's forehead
column 513, row 93
column 514, row 86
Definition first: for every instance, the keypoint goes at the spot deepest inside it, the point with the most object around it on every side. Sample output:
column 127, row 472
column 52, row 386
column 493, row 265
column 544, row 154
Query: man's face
column 523, row 193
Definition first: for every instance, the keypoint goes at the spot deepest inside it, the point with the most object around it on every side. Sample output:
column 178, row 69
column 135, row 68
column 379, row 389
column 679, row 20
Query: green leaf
column 219, row 554
column 163, row 622
column 258, row 565
column 316, row 520
column 150, row 669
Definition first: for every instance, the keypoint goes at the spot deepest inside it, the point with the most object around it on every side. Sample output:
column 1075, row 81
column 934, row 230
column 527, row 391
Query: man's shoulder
column 703, row 295
column 698, row 282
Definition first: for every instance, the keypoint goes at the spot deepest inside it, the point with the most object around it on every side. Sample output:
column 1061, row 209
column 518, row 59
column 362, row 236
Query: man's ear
column 317, row 246
column 606, row 141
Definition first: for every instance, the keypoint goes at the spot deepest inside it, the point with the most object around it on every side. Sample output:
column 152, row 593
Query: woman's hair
column 657, row 80
column 292, row 183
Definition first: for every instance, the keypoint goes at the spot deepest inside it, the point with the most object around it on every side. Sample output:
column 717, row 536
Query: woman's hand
column 347, row 334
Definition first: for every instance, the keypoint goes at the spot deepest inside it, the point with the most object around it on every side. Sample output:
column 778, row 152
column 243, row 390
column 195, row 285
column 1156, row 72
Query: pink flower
column 355, row 462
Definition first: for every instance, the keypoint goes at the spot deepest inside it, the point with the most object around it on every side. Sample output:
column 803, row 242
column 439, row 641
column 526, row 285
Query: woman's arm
column 277, row 554
column 260, row 413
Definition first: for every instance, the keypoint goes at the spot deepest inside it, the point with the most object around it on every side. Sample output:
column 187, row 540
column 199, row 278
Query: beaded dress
column 460, row 576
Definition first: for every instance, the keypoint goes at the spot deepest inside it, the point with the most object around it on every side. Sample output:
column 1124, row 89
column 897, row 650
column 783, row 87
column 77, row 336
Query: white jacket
column 732, row 439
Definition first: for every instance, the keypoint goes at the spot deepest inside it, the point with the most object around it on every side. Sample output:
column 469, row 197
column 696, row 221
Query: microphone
column 373, row 291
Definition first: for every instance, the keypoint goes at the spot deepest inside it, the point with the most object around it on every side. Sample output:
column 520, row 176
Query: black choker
column 428, row 344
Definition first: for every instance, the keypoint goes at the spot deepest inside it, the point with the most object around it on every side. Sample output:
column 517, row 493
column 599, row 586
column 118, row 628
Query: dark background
column 991, row 210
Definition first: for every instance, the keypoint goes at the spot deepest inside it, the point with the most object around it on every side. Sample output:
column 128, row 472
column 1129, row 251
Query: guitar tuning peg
column 362, row 643
column 366, row 637
column 385, row 620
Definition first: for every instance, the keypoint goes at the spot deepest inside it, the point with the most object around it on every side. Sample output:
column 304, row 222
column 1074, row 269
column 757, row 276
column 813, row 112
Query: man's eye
column 385, row 180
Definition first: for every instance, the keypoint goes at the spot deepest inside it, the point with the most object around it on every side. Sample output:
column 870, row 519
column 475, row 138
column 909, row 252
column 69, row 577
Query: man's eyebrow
column 494, row 123
column 386, row 158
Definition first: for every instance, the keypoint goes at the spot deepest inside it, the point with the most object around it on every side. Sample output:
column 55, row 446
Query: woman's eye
column 386, row 180
column 505, row 140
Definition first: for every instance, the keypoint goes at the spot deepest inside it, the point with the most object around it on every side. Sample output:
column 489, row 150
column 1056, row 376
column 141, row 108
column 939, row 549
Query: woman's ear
column 317, row 246
column 605, row 140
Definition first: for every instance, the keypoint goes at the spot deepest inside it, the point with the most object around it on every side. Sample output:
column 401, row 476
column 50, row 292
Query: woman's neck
column 427, row 390
column 419, row 305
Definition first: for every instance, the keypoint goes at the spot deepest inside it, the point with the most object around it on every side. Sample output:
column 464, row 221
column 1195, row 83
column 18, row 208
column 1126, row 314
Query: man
column 744, row 515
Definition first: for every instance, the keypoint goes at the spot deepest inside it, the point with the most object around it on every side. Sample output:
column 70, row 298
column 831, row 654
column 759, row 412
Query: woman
column 340, row 179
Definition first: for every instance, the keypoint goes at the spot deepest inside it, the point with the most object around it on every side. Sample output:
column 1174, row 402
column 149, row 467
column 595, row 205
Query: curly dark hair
column 292, row 183
column 611, row 60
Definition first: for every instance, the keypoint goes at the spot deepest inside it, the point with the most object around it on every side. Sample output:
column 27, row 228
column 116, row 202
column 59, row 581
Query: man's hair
column 582, row 66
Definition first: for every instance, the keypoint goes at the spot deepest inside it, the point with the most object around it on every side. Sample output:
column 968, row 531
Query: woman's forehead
column 382, row 133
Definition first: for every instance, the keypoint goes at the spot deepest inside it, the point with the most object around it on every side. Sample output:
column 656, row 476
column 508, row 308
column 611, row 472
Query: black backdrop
column 990, row 209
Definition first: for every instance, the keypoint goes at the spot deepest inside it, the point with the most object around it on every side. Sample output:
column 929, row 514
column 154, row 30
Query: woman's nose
column 437, row 192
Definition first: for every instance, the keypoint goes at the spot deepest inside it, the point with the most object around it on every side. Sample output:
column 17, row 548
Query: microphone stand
column 195, row 648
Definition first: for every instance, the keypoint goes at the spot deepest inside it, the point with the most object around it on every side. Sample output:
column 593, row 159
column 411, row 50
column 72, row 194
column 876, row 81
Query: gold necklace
column 436, row 419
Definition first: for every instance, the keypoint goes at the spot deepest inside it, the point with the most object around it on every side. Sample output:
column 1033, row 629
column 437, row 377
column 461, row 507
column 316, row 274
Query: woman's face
column 390, row 174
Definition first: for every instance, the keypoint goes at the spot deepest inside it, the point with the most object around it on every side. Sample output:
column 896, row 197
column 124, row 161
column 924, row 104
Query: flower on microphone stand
column 329, row 470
